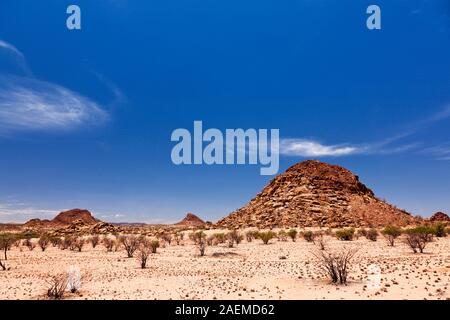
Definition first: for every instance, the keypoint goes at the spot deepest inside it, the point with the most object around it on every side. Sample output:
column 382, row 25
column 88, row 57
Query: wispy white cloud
column 19, row 213
column 20, row 58
column 311, row 148
column 31, row 104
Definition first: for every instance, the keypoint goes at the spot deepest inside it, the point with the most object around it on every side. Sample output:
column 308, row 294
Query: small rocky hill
column 316, row 194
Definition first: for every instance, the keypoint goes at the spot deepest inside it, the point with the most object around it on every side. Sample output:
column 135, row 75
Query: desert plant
column 202, row 247
column 29, row 244
column 197, row 236
column 166, row 237
column 439, row 230
column 66, row 243
column 178, row 237
column 391, row 233
column 57, row 286
column 7, row 240
column 234, row 237
column 142, row 256
column 266, row 236
column 154, row 245
column 418, row 238
column 94, row 240
column 210, row 240
column 372, row 234
column 79, row 244
column 73, row 279
column 109, row 243
column 320, row 241
column 220, row 237
column 55, row 241
column 282, row 236
column 44, row 241
column 130, row 243
column 292, row 234
column 336, row 264
column 345, row 234
column 308, row 236
column 250, row 235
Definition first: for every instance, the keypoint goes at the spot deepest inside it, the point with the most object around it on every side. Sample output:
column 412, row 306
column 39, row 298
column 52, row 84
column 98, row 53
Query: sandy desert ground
column 280, row 270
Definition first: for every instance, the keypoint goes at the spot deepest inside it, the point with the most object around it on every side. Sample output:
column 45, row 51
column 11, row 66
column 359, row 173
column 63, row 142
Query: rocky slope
column 316, row 194
column 191, row 221
column 440, row 217
column 64, row 218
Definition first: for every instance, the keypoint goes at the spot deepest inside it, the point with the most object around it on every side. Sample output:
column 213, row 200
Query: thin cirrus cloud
column 28, row 103
column 31, row 104
column 310, row 148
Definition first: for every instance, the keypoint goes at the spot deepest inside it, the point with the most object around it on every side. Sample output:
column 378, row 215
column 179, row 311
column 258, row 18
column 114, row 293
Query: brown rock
column 316, row 194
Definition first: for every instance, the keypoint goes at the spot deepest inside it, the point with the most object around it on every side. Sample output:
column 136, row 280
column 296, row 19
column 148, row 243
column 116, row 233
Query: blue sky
column 86, row 116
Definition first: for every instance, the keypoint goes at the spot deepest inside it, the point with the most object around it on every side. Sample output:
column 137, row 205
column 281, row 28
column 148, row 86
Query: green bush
column 292, row 234
column 308, row 236
column 266, row 236
column 439, row 230
column 372, row 234
column 391, row 233
column 345, row 234
column 417, row 238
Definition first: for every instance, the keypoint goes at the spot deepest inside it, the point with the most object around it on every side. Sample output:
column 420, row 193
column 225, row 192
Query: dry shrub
column 154, row 245
column 109, row 243
column 372, row 234
column 79, row 244
column 282, row 236
column 345, row 234
column 130, row 243
column 292, row 234
column 234, row 237
column 308, row 236
column 336, row 264
column 178, row 237
column 57, row 286
column 220, row 237
column 197, row 236
column 250, row 235
column 44, row 241
column 418, row 238
column 391, row 233
column 202, row 247
column 166, row 237
column 143, row 254
column 321, row 242
column 94, row 240
column 266, row 236
column 29, row 244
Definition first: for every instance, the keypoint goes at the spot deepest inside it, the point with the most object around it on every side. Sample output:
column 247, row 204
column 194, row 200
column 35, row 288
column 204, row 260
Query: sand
column 280, row 270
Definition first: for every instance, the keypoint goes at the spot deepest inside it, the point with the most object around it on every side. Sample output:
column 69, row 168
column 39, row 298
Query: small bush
column 202, row 247
column 266, row 236
column 292, row 234
column 234, row 237
column 345, row 234
column 43, row 242
column 130, row 243
column 66, row 243
column 57, row 286
column 439, row 230
column 154, row 245
column 178, row 237
column 336, row 265
column 308, row 236
column 250, row 235
column 29, row 244
column 418, row 238
column 7, row 240
column 94, row 240
column 142, row 256
column 282, row 236
column 220, row 237
column 109, row 244
column 166, row 237
column 391, row 233
column 197, row 236
column 372, row 234
column 78, row 244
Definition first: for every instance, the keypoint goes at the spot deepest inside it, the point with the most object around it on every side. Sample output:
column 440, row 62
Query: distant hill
column 191, row 220
column 64, row 218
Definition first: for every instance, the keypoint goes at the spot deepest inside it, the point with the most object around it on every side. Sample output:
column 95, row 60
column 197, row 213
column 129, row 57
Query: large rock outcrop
column 316, row 194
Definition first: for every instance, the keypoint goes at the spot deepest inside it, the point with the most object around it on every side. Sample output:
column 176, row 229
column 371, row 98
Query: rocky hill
column 191, row 221
column 440, row 217
column 316, row 194
column 64, row 218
